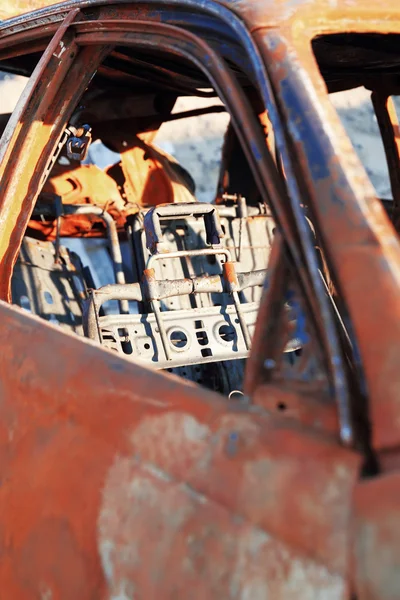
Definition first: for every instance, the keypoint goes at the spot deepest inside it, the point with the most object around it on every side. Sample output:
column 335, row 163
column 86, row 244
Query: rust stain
column 120, row 483
column 158, row 536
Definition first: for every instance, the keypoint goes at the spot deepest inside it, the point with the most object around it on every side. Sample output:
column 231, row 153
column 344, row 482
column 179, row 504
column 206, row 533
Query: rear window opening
column 355, row 66
column 357, row 114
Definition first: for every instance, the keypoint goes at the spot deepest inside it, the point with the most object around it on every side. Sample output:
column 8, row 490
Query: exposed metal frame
column 183, row 43
column 244, row 482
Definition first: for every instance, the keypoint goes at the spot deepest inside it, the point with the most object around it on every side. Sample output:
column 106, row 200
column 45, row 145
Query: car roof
column 256, row 13
column 345, row 60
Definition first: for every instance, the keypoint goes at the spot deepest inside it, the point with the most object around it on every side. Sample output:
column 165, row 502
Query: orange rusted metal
column 144, row 177
column 149, row 177
column 141, row 484
column 121, row 483
column 85, row 184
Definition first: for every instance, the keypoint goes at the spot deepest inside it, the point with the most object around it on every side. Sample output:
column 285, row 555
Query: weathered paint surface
column 376, row 531
column 121, row 483
column 167, row 523
column 257, row 13
column 351, row 220
column 135, row 480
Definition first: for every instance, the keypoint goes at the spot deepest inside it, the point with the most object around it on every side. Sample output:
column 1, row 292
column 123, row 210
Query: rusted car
column 217, row 414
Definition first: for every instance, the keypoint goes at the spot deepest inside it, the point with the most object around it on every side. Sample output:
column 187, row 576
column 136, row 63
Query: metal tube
column 161, row 329
column 232, row 285
column 120, row 292
column 183, row 253
column 159, row 290
column 251, row 279
column 126, row 291
column 112, row 233
column 242, row 322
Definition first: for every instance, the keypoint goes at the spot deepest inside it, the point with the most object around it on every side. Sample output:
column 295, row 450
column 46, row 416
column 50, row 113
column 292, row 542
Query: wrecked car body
column 278, row 301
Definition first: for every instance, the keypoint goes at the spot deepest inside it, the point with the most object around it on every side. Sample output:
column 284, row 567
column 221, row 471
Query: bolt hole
column 126, row 347
column 202, row 338
column 206, row 352
column 227, row 333
column 178, row 338
column 281, row 406
column 147, row 346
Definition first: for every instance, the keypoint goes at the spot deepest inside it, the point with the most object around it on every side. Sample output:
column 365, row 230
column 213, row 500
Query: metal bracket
column 152, row 225
column 78, row 143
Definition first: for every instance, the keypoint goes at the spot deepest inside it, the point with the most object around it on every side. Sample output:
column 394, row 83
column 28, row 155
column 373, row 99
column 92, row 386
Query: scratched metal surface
column 164, row 487
column 198, row 483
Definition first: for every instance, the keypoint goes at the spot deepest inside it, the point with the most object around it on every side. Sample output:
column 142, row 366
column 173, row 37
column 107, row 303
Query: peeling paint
column 169, row 522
